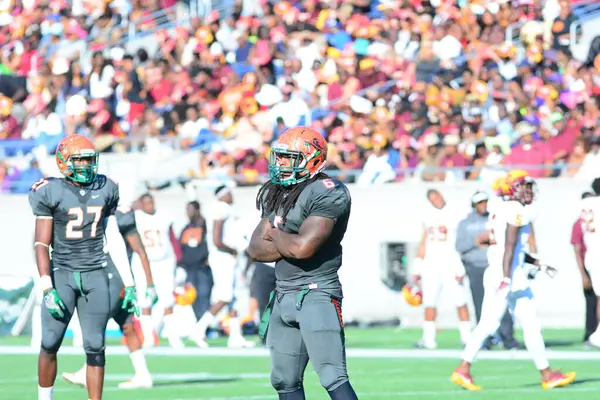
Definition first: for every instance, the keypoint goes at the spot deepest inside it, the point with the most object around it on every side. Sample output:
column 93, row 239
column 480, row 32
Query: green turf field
column 374, row 373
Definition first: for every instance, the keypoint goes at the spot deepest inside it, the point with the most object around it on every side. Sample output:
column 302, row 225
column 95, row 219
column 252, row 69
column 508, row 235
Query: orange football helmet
column 77, row 159
column 299, row 154
column 185, row 295
column 412, row 295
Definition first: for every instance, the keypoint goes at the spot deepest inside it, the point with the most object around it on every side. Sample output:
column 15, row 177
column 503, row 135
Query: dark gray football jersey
column 78, row 215
column 327, row 198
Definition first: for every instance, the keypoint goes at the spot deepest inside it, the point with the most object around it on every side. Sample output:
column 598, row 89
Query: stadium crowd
column 393, row 85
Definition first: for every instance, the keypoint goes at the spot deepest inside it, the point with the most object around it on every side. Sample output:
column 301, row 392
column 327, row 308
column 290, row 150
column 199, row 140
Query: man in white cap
column 471, row 247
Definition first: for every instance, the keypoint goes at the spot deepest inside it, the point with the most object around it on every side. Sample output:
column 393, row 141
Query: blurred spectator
column 591, row 302
column 436, row 82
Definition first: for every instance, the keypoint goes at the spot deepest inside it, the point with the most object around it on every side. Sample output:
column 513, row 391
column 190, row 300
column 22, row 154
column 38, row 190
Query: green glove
column 151, row 295
column 130, row 301
column 54, row 304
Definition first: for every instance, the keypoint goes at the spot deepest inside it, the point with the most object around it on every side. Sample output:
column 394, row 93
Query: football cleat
column 558, row 379
column 464, row 380
column 239, row 343
column 137, row 382
column 75, row 378
column 421, row 344
column 175, row 342
column 412, row 295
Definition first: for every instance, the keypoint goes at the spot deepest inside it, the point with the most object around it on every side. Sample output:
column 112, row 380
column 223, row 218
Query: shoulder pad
column 220, row 210
column 516, row 214
column 124, row 209
column 325, row 185
column 110, row 181
column 42, row 183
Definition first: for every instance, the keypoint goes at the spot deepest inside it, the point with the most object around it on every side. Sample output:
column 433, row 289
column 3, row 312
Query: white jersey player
column 227, row 245
column 589, row 215
column 155, row 229
column 506, row 284
column 438, row 265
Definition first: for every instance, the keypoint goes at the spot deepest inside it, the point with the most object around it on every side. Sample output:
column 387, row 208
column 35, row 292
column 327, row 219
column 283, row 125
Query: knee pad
column 343, row 392
column 331, row 377
column 94, row 344
column 295, row 395
column 285, row 384
column 95, row 359
column 51, row 342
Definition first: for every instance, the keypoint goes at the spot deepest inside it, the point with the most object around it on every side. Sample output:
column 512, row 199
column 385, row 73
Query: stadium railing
column 410, row 174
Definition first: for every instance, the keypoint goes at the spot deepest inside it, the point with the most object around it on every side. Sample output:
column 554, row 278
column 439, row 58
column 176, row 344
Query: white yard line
column 398, row 394
column 352, row 353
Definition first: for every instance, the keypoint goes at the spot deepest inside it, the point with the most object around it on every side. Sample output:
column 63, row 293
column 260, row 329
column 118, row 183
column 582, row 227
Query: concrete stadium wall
column 379, row 214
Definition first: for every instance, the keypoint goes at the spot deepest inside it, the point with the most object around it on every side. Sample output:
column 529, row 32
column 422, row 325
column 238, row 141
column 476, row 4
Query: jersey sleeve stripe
column 44, row 217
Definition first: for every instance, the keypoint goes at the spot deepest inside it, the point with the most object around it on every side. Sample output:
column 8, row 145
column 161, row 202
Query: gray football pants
column 89, row 293
column 303, row 327
column 116, row 286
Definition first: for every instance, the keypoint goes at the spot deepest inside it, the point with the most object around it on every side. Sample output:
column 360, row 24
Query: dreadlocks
column 272, row 197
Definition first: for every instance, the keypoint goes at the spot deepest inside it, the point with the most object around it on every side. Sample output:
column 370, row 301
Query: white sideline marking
column 452, row 393
column 352, row 353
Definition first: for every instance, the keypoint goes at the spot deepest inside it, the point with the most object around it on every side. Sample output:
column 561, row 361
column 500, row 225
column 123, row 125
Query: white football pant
column 521, row 305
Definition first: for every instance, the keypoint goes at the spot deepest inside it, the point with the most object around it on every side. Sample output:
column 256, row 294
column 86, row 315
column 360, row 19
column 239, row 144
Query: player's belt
column 264, row 321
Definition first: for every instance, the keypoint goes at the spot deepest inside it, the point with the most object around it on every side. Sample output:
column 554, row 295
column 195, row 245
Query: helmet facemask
column 81, row 168
column 524, row 190
column 294, row 170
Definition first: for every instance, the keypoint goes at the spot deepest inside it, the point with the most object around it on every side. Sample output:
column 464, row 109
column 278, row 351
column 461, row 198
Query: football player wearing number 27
column 72, row 215
column 304, row 218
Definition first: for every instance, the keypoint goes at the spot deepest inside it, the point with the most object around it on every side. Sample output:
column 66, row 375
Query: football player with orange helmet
column 71, row 216
column 507, row 284
column 305, row 215
column 127, row 229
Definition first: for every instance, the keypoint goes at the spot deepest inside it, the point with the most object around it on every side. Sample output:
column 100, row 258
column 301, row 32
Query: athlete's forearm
column 260, row 249
column 42, row 240
column 42, row 259
column 289, row 245
column 532, row 241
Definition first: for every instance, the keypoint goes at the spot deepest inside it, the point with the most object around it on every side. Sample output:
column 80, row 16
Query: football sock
column 464, row 327
column 45, row 393
column 486, row 327
column 203, row 323
column 297, row 395
column 429, row 333
column 169, row 325
column 235, row 327
column 138, row 360
column 82, row 371
column 343, row 392
column 147, row 329
column 532, row 335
